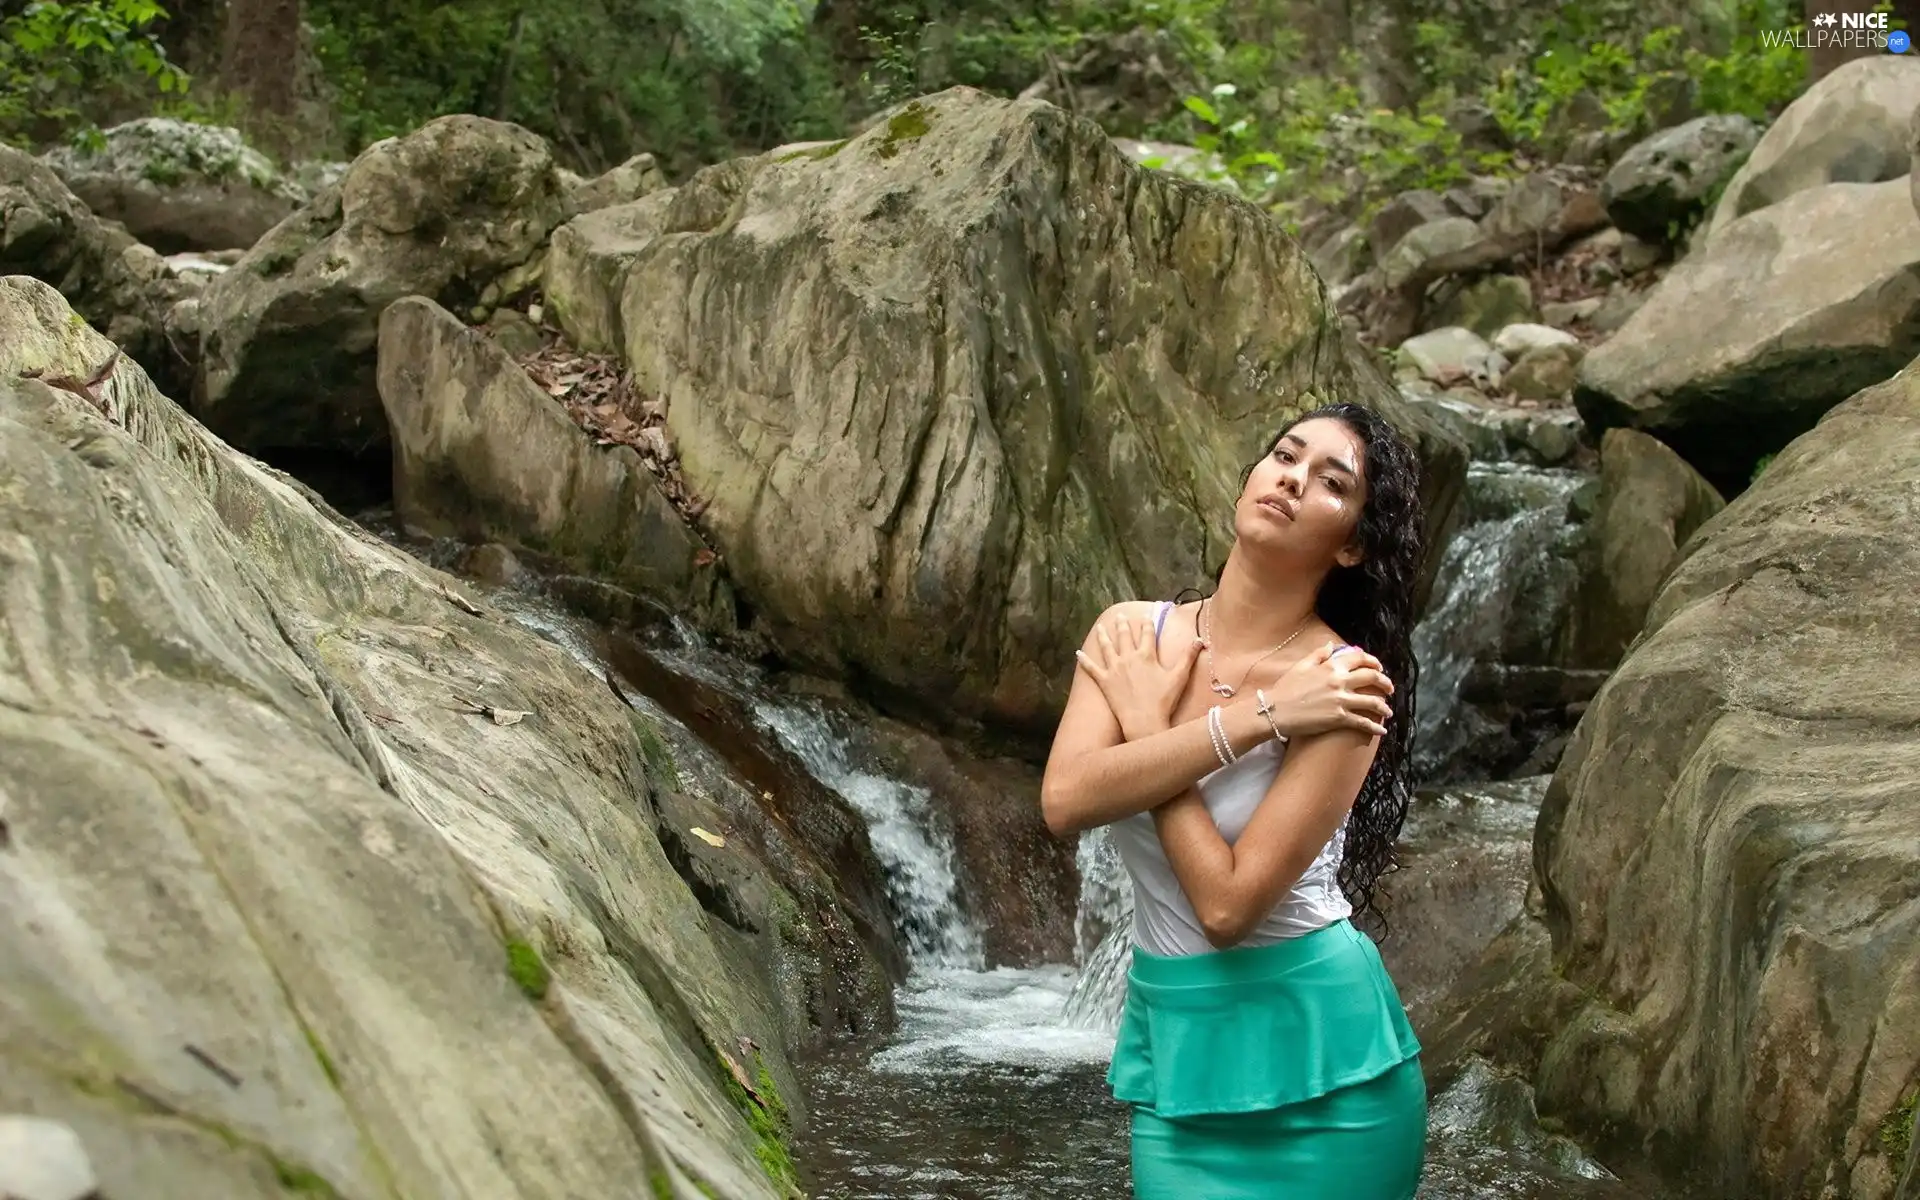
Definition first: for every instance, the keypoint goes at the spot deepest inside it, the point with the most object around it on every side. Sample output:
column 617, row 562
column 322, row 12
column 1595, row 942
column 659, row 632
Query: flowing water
column 993, row 1084
column 1501, row 589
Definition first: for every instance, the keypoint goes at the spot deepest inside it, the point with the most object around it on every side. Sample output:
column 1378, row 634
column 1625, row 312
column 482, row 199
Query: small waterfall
column 912, row 844
column 1103, row 935
column 1497, row 577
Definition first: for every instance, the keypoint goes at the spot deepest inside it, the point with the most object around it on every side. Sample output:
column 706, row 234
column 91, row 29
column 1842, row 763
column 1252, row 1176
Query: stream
column 992, row 1086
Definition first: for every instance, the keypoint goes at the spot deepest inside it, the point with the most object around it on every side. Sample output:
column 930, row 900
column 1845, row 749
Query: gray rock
column 1617, row 307
column 120, row 286
column 1742, row 346
column 817, row 293
column 1650, row 502
column 1410, row 255
column 1544, row 211
column 1486, row 305
column 261, row 833
column 179, row 186
column 638, row 176
column 1451, row 355
column 1849, row 127
column 1636, row 255
column 1658, row 185
column 482, row 453
column 1478, row 126
column 1341, row 256
column 1545, row 373
column 1756, row 710
column 1561, row 314
column 288, row 335
column 43, row 1160
column 1516, row 340
column 1400, row 216
column 1495, row 433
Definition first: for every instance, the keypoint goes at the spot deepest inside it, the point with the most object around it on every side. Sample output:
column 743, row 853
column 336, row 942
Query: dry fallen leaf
column 499, row 716
column 460, row 602
column 739, row 1075
column 711, row 839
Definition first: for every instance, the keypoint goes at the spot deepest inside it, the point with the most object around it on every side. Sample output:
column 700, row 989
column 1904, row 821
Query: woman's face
column 1305, row 498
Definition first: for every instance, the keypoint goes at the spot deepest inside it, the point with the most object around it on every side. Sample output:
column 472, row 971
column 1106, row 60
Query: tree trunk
column 1823, row 59
column 261, row 59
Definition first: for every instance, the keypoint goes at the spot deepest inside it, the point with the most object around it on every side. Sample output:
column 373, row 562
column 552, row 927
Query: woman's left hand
column 1141, row 690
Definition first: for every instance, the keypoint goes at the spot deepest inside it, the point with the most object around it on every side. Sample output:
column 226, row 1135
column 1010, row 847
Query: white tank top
column 1163, row 919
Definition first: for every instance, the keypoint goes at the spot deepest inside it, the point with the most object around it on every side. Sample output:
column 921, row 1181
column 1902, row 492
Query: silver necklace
column 1221, row 688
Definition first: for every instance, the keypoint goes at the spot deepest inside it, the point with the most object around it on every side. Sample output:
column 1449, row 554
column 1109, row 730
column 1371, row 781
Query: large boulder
column 1728, row 966
column 483, row 454
column 314, row 873
column 1745, row 343
column 120, row 286
column 956, row 385
column 178, row 186
column 1657, row 187
column 288, row 335
column 1850, row 127
column 1650, row 503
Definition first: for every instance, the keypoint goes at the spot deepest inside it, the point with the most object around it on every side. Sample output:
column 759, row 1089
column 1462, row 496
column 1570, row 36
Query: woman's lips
column 1275, row 505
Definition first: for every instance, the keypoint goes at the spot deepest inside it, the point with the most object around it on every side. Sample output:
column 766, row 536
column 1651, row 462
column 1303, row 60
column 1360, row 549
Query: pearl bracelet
column 1217, row 729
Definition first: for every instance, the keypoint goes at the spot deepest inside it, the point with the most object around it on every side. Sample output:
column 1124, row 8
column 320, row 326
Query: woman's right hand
column 1335, row 687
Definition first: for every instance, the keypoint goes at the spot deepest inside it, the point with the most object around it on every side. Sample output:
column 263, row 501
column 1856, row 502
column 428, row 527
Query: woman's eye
column 1335, row 484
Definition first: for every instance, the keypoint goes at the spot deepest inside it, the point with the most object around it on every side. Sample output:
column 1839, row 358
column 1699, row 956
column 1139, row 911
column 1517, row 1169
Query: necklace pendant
column 1222, row 689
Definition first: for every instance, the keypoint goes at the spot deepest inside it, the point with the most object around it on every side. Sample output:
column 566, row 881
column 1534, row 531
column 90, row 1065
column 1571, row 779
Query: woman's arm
column 1233, row 887
column 1096, row 777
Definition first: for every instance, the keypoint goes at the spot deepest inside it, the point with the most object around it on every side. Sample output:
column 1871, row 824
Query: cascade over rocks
column 954, row 386
column 1783, row 314
column 1726, row 962
column 315, row 869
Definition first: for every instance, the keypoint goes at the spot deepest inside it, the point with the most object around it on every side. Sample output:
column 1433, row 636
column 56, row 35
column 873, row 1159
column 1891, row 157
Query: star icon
column 1825, row 18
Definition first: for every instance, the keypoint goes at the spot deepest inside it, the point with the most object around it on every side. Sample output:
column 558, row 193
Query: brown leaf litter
column 602, row 400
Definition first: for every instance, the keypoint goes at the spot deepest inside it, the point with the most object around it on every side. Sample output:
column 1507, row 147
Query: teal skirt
column 1281, row 1070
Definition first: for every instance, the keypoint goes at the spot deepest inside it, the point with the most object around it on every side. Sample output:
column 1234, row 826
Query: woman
column 1250, row 752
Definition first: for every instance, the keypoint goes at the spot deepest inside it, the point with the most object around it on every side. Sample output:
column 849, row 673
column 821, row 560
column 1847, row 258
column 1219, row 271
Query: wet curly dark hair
column 1373, row 605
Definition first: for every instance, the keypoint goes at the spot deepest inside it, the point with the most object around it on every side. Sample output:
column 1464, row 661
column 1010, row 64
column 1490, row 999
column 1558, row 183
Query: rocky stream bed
column 523, row 686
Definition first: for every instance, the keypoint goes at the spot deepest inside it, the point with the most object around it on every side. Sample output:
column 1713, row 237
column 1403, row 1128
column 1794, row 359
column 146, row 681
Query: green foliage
column 908, row 124
column 54, row 52
column 768, row 1118
column 1896, row 1131
column 1296, row 135
column 1750, row 78
column 301, row 1181
column 326, row 1061
column 602, row 79
column 527, row 970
